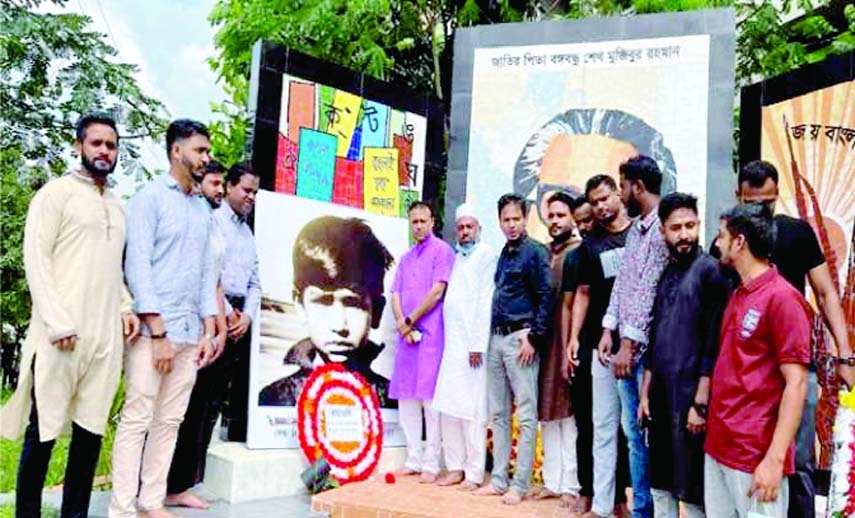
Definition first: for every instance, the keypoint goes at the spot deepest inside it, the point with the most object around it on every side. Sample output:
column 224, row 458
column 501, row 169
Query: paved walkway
column 290, row 507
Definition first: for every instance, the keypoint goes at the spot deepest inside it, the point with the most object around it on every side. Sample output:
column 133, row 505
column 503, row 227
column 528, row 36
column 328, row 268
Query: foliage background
column 53, row 68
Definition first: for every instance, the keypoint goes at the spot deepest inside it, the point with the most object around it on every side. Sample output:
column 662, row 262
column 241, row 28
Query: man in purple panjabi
column 417, row 293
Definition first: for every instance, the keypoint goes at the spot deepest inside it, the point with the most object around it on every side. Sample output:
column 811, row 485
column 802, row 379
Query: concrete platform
column 235, row 474
column 406, row 498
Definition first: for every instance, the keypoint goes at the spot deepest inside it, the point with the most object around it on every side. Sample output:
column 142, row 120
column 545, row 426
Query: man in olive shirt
column 522, row 306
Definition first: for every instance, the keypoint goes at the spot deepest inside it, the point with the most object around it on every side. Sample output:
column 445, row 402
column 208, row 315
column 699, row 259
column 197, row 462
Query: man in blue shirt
column 242, row 289
column 169, row 267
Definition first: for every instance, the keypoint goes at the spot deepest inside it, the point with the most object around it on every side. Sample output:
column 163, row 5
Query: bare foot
column 467, row 486
column 573, row 502
column 622, row 511
column 427, row 478
column 186, row 499
column 406, row 472
column 452, row 478
column 158, row 513
column 487, row 490
column 544, row 494
column 511, row 497
column 592, row 514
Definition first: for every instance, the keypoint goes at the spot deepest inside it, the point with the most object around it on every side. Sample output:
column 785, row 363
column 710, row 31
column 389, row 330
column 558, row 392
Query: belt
column 513, row 327
column 236, row 301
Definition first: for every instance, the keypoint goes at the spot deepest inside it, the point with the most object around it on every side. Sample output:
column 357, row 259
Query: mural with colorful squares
column 338, row 147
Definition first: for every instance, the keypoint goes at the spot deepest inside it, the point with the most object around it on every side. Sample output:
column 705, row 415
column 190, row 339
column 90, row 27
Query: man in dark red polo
column 760, row 379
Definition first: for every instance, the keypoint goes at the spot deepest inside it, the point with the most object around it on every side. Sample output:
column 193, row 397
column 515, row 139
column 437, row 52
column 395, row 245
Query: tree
column 410, row 41
column 53, row 68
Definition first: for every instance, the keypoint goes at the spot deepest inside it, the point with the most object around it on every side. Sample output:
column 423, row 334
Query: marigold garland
column 841, row 494
column 330, row 384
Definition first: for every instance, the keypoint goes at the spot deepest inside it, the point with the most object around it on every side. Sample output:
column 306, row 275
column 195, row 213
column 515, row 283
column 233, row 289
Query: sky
column 170, row 42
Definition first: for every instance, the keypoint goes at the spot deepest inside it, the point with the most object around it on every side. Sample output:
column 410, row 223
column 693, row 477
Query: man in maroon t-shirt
column 759, row 383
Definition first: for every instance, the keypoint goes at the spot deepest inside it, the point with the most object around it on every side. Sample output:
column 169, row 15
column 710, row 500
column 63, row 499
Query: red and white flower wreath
column 332, row 383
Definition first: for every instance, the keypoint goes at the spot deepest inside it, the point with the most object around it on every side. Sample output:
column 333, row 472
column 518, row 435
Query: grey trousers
column 726, row 494
column 506, row 378
column 665, row 505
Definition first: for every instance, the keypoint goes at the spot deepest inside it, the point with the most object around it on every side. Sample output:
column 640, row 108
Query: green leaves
column 53, row 68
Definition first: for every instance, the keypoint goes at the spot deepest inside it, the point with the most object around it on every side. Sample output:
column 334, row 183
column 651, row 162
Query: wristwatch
column 701, row 409
column 408, row 321
column 159, row 336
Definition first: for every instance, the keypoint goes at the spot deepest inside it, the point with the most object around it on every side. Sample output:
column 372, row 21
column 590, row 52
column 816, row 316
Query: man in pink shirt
column 417, row 293
column 759, row 383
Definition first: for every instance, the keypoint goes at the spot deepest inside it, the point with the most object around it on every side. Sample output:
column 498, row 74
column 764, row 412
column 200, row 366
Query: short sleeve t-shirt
column 599, row 261
column 570, row 271
column 765, row 325
column 796, row 250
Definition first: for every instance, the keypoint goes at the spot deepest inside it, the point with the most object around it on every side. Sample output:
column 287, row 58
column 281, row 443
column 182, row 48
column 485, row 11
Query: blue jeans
column 802, row 488
column 628, row 389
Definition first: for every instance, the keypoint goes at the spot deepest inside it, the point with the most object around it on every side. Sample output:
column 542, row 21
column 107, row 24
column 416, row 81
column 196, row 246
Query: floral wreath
column 333, row 385
column 841, row 497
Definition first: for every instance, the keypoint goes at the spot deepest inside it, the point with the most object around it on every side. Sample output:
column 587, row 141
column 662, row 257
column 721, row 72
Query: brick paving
column 406, row 498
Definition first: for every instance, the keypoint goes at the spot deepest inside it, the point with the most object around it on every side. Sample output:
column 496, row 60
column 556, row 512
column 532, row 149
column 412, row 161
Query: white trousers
column 464, row 446
column 560, row 470
column 420, row 458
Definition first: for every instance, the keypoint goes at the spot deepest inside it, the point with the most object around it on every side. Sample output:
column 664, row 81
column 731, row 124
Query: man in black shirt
column 599, row 261
column 522, row 305
column 797, row 255
column 678, row 364
column 580, row 387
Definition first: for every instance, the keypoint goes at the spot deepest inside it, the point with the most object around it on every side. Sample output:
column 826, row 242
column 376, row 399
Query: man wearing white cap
column 460, row 395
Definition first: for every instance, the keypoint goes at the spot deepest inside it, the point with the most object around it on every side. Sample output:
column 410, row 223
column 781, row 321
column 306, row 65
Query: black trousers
column 33, row 467
column 581, row 391
column 235, row 413
column 194, row 435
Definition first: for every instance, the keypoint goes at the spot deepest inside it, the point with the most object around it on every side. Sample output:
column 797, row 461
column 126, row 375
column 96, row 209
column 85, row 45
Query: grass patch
column 8, row 511
column 10, row 454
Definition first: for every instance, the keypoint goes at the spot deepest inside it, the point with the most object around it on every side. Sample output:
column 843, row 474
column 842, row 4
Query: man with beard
column 194, row 435
column 580, row 384
column 759, row 382
column 72, row 356
column 599, row 261
column 242, row 288
column 798, row 256
column 339, row 269
column 558, row 426
column 630, row 308
column 466, row 314
column 679, row 362
column 169, row 266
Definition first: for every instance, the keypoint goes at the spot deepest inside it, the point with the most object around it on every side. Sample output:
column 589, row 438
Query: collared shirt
column 631, row 302
column 764, row 326
column 169, row 264
column 524, row 286
column 240, row 264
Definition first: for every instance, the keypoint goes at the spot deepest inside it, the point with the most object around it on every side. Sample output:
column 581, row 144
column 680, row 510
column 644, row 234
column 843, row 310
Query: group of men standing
column 633, row 344
column 189, row 264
